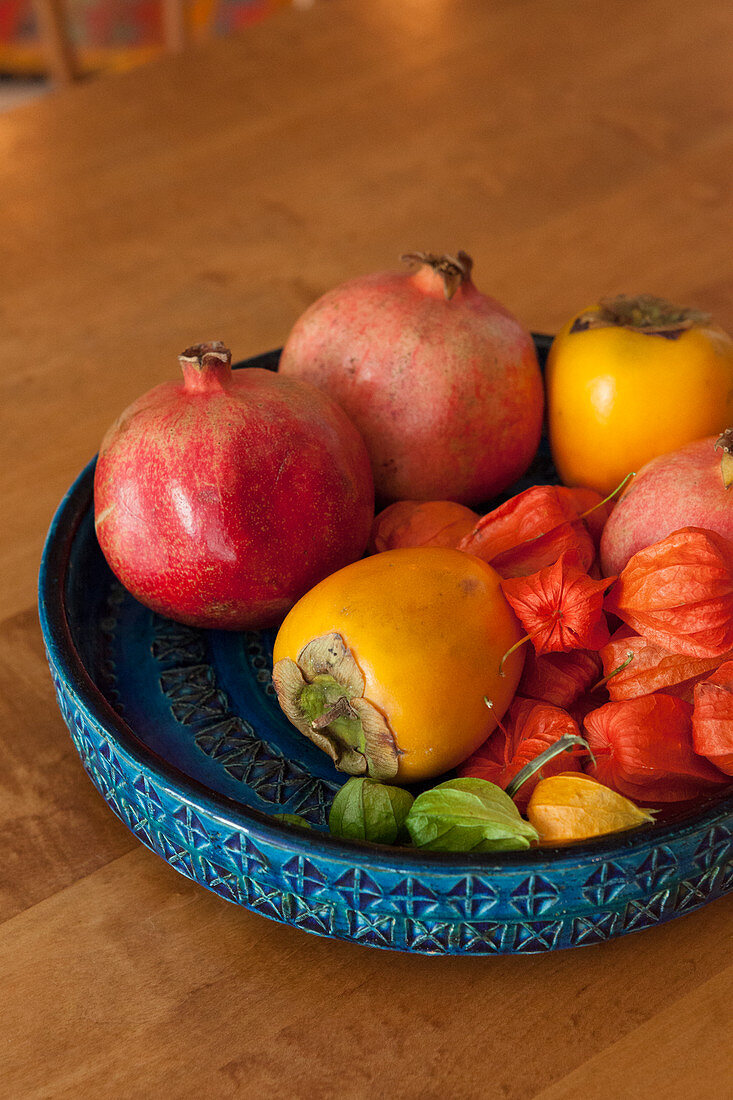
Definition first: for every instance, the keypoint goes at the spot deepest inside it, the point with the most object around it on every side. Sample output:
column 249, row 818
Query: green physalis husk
column 367, row 810
column 468, row 815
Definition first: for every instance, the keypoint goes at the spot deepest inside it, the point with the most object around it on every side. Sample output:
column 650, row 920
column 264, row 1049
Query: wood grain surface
column 574, row 150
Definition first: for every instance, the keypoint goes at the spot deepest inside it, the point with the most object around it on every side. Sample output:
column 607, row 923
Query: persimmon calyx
column 322, row 693
column 453, row 270
column 725, row 443
column 641, row 313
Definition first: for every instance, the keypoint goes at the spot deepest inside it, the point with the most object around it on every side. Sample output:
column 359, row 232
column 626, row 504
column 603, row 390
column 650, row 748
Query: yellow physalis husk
column 572, row 806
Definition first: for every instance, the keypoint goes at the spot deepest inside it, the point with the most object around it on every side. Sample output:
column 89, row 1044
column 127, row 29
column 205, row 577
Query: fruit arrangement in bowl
column 487, row 664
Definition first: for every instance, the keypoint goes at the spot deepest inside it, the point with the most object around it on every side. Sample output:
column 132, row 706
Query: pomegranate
column 219, row 501
column 686, row 488
column 442, row 382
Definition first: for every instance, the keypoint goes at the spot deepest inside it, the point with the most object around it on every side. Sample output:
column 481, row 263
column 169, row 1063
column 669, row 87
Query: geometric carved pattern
column 642, row 914
column 694, row 891
column 605, row 884
column 537, row 936
column 715, row 848
column 473, row 897
column 657, row 868
column 358, row 889
column 593, row 929
column 376, row 931
column 188, row 683
column 415, row 898
column 388, row 898
column 534, row 896
column 261, row 663
column 430, row 939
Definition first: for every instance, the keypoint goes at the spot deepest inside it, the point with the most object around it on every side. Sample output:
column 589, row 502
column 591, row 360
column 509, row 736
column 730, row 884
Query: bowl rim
column 64, row 656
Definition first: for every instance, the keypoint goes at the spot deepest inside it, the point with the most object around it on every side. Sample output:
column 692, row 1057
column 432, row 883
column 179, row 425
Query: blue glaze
column 180, row 732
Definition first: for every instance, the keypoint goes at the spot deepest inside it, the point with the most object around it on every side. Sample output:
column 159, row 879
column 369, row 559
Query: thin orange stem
column 605, row 500
column 513, row 649
column 557, row 614
column 490, row 705
column 605, row 679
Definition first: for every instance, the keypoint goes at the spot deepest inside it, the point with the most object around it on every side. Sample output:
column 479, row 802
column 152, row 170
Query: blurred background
column 46, row 42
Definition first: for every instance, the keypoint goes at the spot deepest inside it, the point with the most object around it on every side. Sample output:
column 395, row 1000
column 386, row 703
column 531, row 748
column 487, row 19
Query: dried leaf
column 560, row 606
column 570, row 807
column 678, row 593
column 712, row 718
column 421, row 523
column 651, row 667
column 643, row 749
column 382, row 752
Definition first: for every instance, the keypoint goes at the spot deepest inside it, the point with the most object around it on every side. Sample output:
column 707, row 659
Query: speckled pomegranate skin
column 447, row 393
column 681, row 489
column 219, row 501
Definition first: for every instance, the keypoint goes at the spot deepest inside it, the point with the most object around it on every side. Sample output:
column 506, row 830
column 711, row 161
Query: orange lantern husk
column 678, row 593
column 643, row 749
column 560, row 606
column 712, row 718
column 530, row 729
column 559, row 678
column 635, row 666
column 410, row 523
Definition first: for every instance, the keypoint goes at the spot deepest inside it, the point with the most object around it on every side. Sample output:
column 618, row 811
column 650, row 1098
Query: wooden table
column 574, row 150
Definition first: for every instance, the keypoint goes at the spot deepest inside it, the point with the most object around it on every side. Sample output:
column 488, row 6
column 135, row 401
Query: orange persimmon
column 630, row 379
column 385, row 664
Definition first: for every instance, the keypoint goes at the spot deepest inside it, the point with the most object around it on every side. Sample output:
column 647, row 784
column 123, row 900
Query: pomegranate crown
column 454, row 270
column 197, row 353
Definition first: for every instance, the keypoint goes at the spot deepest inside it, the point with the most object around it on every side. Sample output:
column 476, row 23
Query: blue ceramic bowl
column 180, row 732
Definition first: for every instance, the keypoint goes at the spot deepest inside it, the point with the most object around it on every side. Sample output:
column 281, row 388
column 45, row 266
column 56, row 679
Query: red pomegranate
column 222, row 499
column 691, row 487
column 441, row 381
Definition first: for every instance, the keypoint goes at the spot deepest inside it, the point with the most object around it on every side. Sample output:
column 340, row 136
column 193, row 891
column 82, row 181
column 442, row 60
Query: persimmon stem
column 566, row 743
column 610, row 496
column 604, row 679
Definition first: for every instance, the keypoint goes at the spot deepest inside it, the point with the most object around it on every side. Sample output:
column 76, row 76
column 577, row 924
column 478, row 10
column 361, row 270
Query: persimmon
column 387, row 664
column 630, row 379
